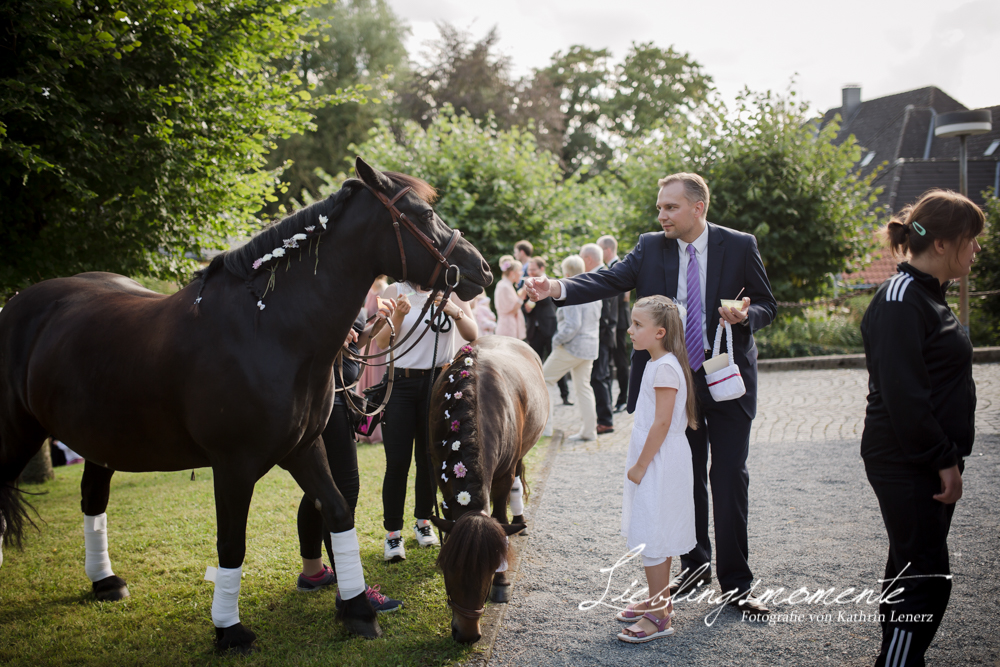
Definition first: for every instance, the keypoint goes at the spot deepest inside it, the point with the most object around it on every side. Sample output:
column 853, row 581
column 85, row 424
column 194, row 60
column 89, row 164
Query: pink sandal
column 630, row 615
column 641, row 637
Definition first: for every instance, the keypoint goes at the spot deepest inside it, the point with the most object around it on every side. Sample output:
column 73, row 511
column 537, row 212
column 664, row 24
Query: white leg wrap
column 347, row 555
column 516, row 497
column 226, row 602
column 503, row 563
column 95, row 539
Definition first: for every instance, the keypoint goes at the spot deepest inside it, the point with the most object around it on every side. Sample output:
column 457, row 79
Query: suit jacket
column 624, row 312
column 651, row 268
column 541, row 320
column 609, row 321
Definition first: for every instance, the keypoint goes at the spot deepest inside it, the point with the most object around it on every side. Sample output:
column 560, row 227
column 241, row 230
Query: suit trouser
column 727, row 427
column 600, row 382
column 557, row 365
column 918, row 529
column 622, row 363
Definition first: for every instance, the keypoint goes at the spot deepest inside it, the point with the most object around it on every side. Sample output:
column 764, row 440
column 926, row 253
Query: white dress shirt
column 701, row 254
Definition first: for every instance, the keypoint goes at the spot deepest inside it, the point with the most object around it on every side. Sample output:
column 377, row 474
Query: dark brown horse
column 487, row 411
column 137, row 381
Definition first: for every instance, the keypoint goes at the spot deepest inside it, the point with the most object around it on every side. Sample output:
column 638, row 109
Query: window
column 868, row 159
column 992, row 147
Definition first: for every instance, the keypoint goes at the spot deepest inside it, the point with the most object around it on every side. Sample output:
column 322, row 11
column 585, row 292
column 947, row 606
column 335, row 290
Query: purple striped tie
column 692, row 328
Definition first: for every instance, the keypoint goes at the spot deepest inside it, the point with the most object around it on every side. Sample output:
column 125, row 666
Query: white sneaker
column 394, row 551
column 425, row 533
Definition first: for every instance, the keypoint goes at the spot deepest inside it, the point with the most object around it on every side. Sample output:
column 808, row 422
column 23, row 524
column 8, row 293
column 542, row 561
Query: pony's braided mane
column 462, row 387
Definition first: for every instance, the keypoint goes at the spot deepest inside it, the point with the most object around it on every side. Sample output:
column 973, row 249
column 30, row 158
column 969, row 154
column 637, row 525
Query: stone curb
column 492, row 620
column 980, row 355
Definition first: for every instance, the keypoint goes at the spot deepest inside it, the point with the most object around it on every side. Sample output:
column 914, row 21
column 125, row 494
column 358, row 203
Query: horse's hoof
column 500, row 593
column 110, row 589
column 236, row 639
column 362, row 628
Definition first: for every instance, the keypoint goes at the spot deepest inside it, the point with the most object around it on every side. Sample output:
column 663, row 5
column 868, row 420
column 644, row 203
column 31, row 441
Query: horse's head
column 408, row 258
column 475, row 546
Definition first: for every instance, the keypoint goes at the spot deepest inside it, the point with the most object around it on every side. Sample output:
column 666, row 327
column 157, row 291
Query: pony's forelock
column 474, row 549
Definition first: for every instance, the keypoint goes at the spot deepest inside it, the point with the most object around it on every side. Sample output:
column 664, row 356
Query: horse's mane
column 239, row 261
column 474, row 549
column 461, row 378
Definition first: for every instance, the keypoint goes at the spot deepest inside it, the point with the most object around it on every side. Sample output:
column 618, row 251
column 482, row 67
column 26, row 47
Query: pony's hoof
column 500, row 593
column 236, row 639
column 362, row 628
column 358, row 617
column 110, row 589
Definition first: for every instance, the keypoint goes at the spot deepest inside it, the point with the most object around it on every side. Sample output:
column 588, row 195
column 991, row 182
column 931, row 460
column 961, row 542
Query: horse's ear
column 513, row 528
column 444, row 525
column 370, row 175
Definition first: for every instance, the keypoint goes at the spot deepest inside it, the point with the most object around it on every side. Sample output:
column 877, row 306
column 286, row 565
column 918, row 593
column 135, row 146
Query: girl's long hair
column 664, row 313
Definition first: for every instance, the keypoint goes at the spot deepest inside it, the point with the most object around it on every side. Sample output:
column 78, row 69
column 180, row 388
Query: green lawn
column 161, row 538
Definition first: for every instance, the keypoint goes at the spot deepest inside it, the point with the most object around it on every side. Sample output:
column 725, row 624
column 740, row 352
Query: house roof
column 876, row 272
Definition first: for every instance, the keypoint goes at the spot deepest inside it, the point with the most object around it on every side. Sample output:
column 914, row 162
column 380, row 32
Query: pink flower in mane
column 460, row 469
column 455, row 425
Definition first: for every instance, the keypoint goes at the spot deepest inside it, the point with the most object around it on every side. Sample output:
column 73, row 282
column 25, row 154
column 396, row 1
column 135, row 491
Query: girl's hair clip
column 918, row 227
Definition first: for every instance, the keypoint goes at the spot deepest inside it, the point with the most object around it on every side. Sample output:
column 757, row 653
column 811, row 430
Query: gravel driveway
column 814, row 524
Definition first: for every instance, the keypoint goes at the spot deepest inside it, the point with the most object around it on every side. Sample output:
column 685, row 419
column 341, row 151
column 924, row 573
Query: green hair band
column 918, row 227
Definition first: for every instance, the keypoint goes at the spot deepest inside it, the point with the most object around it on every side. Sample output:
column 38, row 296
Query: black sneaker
column 383, row 604
column 312, row 584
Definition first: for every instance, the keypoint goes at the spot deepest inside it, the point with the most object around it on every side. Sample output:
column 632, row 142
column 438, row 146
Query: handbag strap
column 718, row 342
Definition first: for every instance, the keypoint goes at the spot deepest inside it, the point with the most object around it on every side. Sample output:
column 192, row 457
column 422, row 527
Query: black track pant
column 620, row 357
column 918, row 563
column 404, row 435
column 342, row 454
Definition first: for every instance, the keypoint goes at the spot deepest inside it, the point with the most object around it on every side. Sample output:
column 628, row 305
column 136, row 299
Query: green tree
column 494, row 184
column 771, row 174
column 361, row 44
column 986, row 276
column 133, row 135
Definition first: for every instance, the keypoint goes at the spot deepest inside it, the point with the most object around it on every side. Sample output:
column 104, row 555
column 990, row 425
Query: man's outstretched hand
column 542, row 288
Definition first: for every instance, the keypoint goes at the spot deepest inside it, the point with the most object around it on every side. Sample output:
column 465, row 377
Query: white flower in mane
column 278, row 252
column 455, row 445
column 300, row 237
column 260, row 304
column 310, row 228
column 322, row 220
column 464, row 498
column 444, row 464
column 267, row 258
column 468, row 361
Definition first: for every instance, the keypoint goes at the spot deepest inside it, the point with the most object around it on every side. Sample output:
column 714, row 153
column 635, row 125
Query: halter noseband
column 471, row 614
column 400, row 217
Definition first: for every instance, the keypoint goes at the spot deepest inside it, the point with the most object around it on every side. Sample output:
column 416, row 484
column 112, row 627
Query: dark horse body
column 137, row 381
column 497, row 418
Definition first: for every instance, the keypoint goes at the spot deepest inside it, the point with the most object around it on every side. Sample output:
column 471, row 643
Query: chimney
column 852, row 100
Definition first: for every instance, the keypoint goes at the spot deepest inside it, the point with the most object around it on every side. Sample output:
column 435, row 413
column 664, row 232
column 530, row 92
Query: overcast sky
column 886, row 46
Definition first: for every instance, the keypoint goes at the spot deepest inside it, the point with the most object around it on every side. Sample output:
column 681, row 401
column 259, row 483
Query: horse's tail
column 522, row 471
column 14, row 515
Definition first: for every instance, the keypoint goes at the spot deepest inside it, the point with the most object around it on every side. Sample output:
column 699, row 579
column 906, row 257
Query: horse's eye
column 427, row 216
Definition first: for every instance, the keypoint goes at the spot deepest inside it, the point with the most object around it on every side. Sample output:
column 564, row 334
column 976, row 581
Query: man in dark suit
column 721, row 262
column 540, row 323
column 619, row 356
column 600, row 374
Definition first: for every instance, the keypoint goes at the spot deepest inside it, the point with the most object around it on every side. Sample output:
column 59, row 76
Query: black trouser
column 918, row 555
column 620, row 358
column 727, row 427
column 600, row 381
column 342, row 454
column 404, row 437
column 542, row 345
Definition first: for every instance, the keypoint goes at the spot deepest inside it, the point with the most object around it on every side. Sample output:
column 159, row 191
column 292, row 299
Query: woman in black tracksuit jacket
column 919, row 423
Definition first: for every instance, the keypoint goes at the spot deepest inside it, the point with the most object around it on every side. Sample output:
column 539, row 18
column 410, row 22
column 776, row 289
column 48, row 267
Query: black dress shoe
column 620, row 408
column 750, row 604
column 687, row 584
column 566, row 401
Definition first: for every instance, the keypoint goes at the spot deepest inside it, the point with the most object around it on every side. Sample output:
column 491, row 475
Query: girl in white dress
column 658, row 501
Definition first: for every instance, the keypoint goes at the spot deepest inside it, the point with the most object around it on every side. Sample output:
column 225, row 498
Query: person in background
column 523, row 251
column 574, row 348
column 920, row 421
column 404, row 427
column 510, row 319
column 486, row 319
column 342, row 454
column 600, row 375
column 620, row 355
column 372, row 375
column 540, row 324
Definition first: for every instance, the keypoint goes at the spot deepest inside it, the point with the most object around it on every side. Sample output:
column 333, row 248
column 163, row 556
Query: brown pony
column 487, row 411
column 138, row 381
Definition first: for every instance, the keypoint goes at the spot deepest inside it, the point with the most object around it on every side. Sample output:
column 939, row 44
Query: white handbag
column 726, row 383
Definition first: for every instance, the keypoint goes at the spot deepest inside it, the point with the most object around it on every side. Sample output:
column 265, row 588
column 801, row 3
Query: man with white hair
column 600, row 374
column 619, row 356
